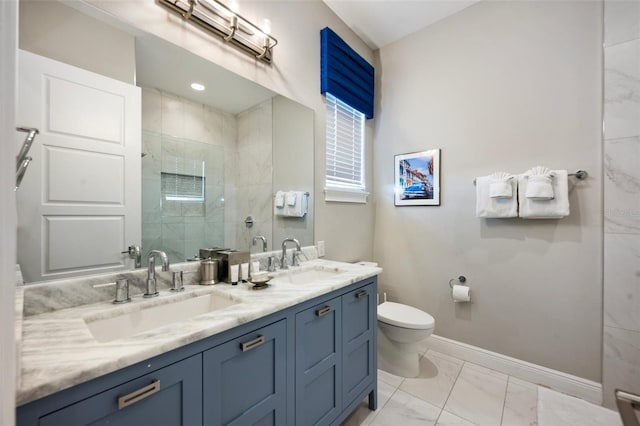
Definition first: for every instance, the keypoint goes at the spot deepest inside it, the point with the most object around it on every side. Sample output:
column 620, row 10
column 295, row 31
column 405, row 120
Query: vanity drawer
column 169, row 396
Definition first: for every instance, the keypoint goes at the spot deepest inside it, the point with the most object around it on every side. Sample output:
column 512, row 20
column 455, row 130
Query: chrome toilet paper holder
column 461, row 279
column 465, row 296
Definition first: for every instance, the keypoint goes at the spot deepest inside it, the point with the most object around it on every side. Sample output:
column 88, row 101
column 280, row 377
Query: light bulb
column 197, row 86
column 266, row 26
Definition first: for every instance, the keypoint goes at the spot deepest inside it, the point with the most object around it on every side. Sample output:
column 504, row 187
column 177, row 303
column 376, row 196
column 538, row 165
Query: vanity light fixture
column 197, row 86
column 219, row 19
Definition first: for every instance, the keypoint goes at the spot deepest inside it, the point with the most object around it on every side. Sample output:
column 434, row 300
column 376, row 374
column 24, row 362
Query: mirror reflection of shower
column 183, row 179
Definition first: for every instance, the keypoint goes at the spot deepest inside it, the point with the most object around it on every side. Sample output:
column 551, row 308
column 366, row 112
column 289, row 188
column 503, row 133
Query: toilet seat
column 404, row 316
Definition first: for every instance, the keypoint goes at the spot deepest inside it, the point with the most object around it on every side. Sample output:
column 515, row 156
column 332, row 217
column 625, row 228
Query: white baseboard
column 562, row 382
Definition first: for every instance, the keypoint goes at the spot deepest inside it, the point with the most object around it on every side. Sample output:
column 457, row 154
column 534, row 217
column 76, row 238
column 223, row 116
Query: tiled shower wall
column 621, row 340
column 254, row 175
column 177, row 128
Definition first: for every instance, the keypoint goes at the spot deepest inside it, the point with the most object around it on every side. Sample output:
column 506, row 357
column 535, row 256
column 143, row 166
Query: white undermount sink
column 131, row 323
column 306, row 276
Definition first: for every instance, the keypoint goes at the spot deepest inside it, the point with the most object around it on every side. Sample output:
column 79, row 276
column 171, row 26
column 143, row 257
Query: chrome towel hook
column 22, row 160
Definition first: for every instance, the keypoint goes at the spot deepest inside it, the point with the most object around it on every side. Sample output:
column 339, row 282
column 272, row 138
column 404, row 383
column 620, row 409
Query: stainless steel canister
column 209, row 271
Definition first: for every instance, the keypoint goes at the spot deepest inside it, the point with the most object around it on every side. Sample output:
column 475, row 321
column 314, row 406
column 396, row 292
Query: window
column 345, row 153
column 177, row 187
column 183, row 180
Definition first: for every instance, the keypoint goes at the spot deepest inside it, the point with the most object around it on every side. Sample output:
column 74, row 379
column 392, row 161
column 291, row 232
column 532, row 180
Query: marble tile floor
column 452, row 392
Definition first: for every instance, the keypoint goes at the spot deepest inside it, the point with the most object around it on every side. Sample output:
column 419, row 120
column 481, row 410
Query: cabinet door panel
column 358, row 330
column 268, row 420
column 318, row 364
column 247, row 387
column 177, row 402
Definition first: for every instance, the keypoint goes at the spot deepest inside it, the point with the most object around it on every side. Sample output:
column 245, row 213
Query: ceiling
column 167, row 67
column 381, row 22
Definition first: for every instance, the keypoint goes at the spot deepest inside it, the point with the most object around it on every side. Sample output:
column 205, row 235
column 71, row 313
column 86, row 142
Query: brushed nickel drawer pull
column 252, row 344
column 361, row 294
column 138, row 395
column 324, row 311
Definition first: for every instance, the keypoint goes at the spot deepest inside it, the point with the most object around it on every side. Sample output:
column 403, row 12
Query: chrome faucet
column 135, row 253
column 152, row 289
column 283, row 259
column 264, row 241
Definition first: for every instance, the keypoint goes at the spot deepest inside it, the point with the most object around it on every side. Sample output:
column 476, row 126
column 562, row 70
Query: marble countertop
column 58, row 350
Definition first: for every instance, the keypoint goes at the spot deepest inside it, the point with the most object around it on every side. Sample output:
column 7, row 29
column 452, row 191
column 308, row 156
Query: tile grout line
column 618, row 43
column 451, row 390
column 379, row 410
column 504, row 402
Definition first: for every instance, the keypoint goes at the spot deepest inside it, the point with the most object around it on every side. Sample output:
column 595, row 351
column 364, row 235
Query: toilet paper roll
column 461, row 293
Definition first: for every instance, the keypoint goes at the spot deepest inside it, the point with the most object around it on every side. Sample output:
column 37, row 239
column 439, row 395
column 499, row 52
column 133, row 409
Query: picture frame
column 417, row 178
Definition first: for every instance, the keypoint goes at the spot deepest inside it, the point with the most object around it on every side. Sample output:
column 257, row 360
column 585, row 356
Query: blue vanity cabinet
column 244, row 380
column 308, row 364
column 359, row 328
column 169, row 396
column 318, row 363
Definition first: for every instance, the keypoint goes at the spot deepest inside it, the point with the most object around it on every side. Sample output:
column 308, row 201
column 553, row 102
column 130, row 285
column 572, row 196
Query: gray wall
column 500, row 86
column 621, row 363
column 59, row 32
column 293, row 165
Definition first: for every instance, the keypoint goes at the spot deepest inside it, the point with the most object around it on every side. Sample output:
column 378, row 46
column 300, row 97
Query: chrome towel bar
column 22, row 159
column 580, row 175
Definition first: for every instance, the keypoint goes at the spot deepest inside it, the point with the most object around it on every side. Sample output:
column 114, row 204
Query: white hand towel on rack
column 278, row 204
column 501, row 185
column 539, row 183
column 301, row 205
column 279, row 199
column 489, row 207
column 555, row 208
column 292, row 196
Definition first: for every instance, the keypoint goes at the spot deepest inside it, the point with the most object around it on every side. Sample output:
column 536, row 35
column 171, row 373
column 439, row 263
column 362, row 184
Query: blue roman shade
column 345, row 74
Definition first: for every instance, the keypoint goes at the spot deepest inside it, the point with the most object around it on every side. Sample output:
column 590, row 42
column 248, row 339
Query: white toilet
column 400, row 328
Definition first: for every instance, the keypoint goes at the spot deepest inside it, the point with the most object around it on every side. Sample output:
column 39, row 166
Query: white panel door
column 79, row 205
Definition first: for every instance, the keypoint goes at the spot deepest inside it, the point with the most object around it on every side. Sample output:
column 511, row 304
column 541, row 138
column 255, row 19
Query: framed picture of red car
column 417, row 178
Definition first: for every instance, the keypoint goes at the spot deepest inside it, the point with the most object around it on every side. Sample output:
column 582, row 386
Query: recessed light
column 197, row 86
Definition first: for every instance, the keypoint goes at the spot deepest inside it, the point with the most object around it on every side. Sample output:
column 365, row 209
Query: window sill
column 345, row 196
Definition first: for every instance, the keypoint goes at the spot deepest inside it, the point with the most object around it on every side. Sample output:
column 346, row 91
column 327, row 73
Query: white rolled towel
column 279, row 203
column 488, row 207
column 556, row 208
column 292, row 196
column 501, row 185
column 539, row 184
column 300, row 207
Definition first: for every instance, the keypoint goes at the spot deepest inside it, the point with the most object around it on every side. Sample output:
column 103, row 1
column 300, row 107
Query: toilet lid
column 404, row 316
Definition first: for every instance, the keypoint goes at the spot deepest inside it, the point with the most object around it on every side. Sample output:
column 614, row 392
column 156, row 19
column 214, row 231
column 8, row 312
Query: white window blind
column 177, row 187
column 345, row 146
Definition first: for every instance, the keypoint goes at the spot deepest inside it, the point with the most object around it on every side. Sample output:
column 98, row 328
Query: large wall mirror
column 170, row 168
